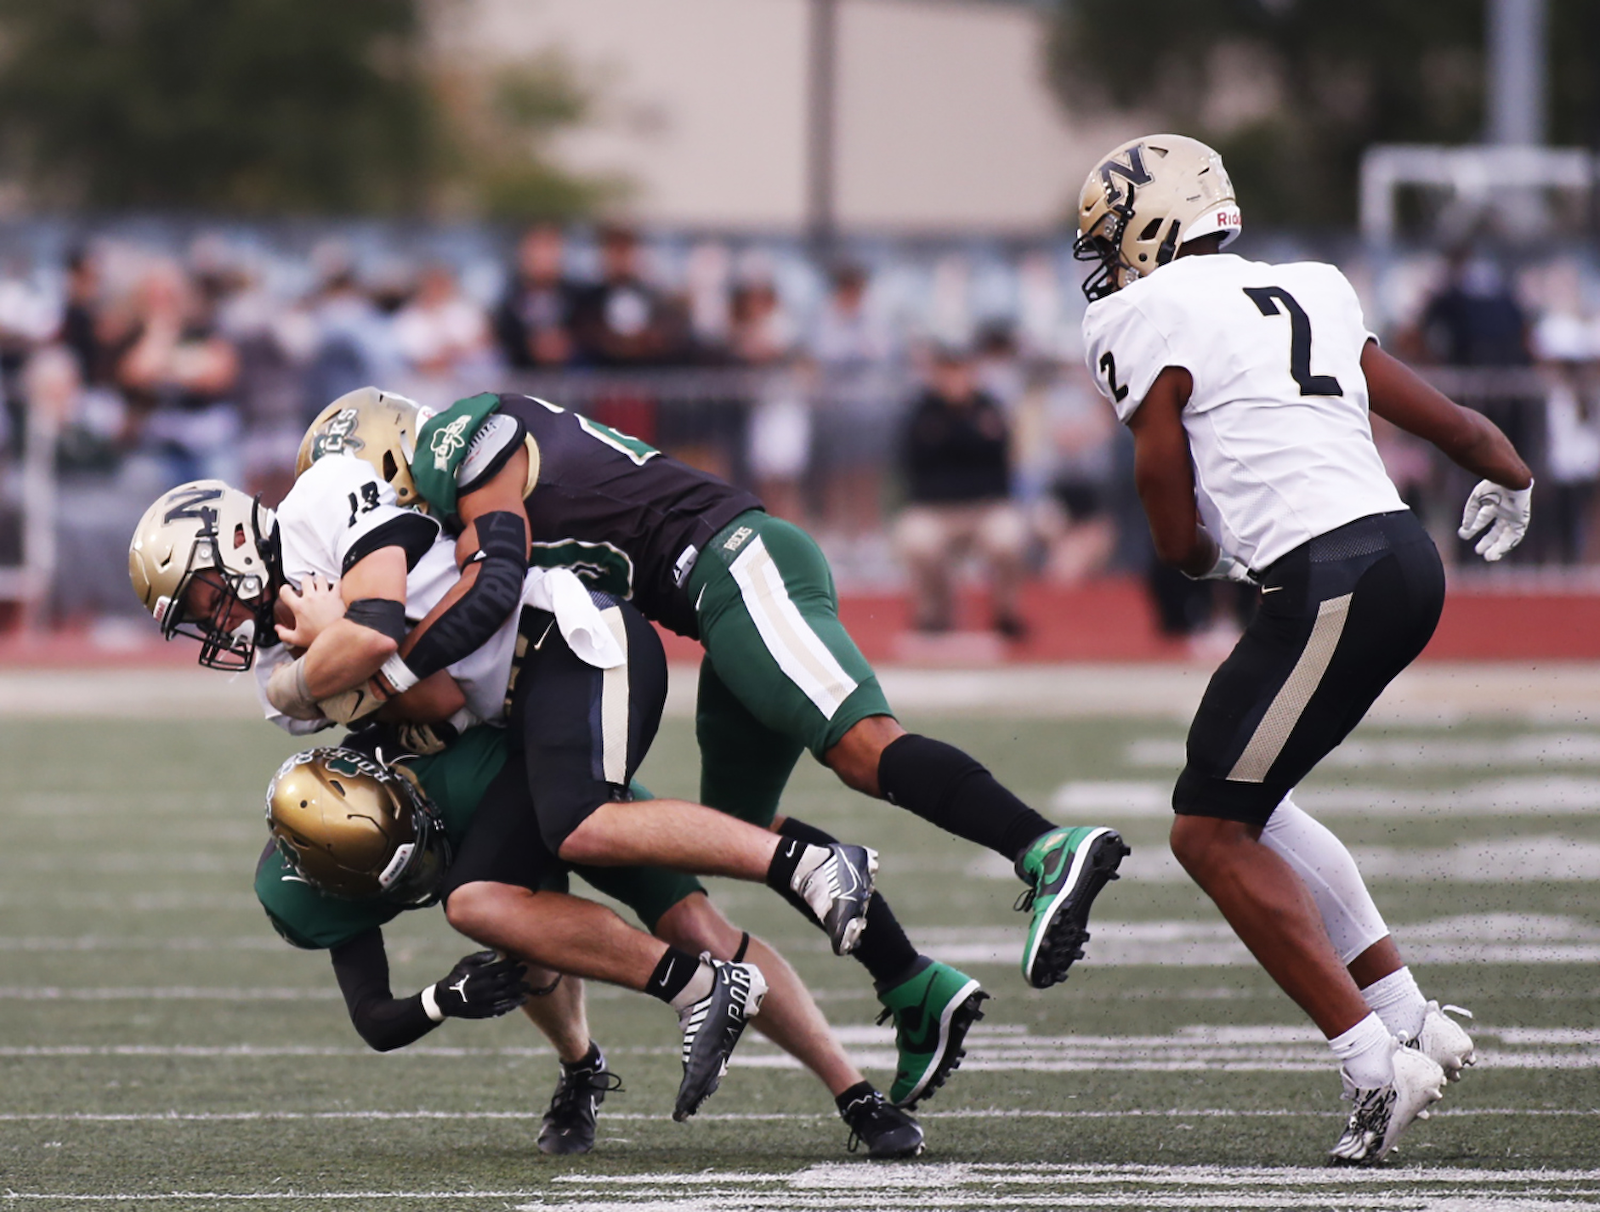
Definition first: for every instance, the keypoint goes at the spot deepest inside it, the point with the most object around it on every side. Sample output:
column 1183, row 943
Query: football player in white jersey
column 208, row 563
column 1247, row 389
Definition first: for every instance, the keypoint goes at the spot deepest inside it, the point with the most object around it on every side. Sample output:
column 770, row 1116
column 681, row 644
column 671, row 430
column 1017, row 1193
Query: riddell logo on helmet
column 1229, row 218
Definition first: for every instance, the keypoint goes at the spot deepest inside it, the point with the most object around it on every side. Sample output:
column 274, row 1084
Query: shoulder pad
column 495, row 442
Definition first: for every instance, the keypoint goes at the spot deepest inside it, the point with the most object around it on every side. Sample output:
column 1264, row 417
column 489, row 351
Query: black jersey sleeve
column 382, row 1020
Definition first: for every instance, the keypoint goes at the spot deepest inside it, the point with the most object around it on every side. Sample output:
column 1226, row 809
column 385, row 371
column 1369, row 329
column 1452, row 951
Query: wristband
column 398, row 674
column 430, row 1005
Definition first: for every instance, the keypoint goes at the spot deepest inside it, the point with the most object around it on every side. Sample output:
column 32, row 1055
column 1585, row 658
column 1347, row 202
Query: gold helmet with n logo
column 377, row 427
column 204, row 562
column 357, row 828
column 1144, row 200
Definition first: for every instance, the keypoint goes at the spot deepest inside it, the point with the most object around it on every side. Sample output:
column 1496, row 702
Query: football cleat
column 836, row 882
column 1444, row 1041
column 1065, row 870
column 884, row 1129
column 711, row 1028
column 1382, row 1113
column 932, row 1012
column 569, row 1122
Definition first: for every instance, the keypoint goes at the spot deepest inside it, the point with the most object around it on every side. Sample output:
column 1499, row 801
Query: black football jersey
column 627, row 518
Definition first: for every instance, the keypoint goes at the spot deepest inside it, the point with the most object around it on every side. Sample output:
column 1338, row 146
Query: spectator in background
column 622, row 320
column 956, row 459
column 82, row 320
column 443, row 339
column 28, row 318
column 178, row 374
column 1475, row 321
column 854, row 350
column 762, row 337
column 533, row 323
column 1567, row 363
column 351, row 341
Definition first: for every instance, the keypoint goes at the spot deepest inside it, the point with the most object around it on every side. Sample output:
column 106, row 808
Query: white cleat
column 1444, row 1040
column 1382, row 1113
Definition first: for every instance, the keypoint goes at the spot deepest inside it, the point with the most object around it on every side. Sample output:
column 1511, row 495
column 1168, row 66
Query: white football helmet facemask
column 208, row 532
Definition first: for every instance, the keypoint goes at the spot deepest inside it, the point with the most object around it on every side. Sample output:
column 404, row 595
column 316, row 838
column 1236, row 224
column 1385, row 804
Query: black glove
column 483, row 985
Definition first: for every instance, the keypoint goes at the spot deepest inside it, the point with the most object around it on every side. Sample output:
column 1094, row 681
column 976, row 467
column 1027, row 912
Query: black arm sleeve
column 384, row 1021
column 502, row 562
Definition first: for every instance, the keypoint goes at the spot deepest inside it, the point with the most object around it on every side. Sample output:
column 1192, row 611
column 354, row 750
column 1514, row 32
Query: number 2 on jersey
column 1266, row 299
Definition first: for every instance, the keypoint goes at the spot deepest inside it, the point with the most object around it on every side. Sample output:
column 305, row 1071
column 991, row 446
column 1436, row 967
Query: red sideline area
column 1105, row 620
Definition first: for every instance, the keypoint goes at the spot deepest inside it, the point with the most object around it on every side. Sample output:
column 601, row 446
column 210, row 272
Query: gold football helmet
column 377, row 427
column 357, row 828
column 205, row 531
column 1143, row 200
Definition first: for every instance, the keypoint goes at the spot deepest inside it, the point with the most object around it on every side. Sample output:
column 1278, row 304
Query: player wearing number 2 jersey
column 1247, row 388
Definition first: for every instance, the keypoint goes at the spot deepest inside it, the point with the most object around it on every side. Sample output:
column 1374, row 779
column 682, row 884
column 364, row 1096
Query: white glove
column 1503, row 510
column 1227, row 569
column 350, row 706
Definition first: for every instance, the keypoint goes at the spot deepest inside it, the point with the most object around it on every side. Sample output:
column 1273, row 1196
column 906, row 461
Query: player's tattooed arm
column 1163, row 472
column 1469, row 439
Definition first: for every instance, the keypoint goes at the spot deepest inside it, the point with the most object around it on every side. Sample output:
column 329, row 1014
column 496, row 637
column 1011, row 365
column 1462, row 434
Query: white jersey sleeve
column 1125, row 351
column 340, row 510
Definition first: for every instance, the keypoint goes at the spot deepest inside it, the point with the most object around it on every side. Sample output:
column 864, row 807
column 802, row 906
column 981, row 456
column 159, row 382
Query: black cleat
column 883, row 1128
column 569, row 1123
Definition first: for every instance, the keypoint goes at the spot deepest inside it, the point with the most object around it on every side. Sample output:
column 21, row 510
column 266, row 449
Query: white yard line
column 1429, row 693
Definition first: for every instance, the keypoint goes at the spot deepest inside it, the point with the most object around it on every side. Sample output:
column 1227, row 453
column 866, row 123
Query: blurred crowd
column 923, row 410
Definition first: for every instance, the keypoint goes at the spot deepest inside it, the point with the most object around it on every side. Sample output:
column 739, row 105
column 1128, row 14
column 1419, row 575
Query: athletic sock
column 883, row 950
column 1398, row 1002
column 1366, row 1052
column 675, row 971
column 593, row 1059
column 860, row 1090
column 786, row 860
column 954, row 791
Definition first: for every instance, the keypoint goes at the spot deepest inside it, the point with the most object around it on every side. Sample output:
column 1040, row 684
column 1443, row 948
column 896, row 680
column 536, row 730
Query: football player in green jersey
column 321, row 879
column 524, row 480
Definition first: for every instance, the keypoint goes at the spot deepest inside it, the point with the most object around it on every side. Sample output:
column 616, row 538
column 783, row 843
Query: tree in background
column 1293, row 91
column 249, row 106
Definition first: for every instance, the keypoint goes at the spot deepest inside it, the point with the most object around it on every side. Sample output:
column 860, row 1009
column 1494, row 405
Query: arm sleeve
column 384, row 1021
column 502, row 563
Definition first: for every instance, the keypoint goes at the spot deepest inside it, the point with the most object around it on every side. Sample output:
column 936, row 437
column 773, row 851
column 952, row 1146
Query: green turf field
column 159, row 1044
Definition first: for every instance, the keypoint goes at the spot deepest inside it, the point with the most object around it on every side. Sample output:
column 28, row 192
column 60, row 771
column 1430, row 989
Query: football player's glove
column 1228, row 569
column 357, row 828
column 201, row 551
column 481, row 985
column 378, row 427
column 1504, row 511
column 1143, row 200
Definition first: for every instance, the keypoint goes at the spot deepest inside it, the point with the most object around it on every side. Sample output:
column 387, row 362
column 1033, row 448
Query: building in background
column 943, row 119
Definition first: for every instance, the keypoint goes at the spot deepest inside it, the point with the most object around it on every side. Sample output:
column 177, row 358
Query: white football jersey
column 1277, row 420
column 337, row 511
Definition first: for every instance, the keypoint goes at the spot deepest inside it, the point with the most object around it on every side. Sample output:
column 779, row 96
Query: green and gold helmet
column 357, row 828
column 378, row 427
column 200, row 553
